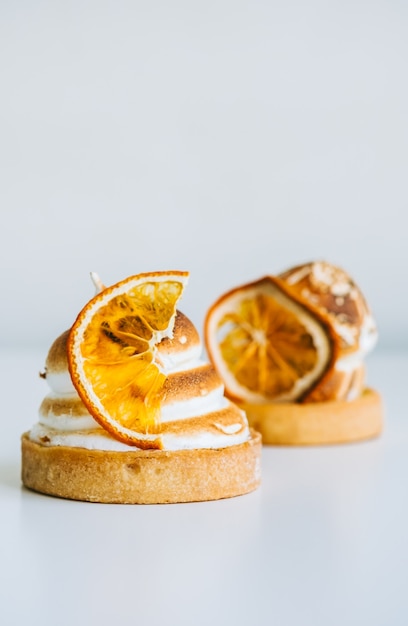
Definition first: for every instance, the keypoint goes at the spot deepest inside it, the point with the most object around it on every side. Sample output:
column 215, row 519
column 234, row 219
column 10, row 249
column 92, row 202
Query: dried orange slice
column 112, row 354
column 267, row 344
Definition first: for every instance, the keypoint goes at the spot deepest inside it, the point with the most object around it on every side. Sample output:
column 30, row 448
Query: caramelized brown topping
column 185, row 336
column 57, row 356
column 199, row 381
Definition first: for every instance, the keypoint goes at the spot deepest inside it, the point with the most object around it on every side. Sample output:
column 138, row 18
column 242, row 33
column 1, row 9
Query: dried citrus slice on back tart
column 112, row 354
column 267, row 344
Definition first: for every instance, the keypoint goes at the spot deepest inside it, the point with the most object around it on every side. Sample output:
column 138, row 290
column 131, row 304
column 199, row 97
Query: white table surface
column 322, row 542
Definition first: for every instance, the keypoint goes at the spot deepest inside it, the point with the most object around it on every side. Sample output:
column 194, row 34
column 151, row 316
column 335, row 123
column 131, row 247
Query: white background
column 230, row 139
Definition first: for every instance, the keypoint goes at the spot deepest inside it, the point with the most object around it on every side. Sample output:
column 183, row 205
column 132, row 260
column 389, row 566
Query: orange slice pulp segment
column 267, row 344
column 112, row 354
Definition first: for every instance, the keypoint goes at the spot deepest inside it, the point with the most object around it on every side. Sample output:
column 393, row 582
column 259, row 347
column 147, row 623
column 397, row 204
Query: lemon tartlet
column 139, row 417
column 291, row 350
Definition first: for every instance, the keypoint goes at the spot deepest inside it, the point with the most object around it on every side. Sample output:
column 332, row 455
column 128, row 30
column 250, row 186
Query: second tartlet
column 291, row 349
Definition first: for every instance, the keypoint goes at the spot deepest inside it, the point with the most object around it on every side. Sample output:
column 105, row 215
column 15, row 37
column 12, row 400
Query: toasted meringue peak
column 332, row 290
column 99, row 286
column 185, row 336
column 57, row 360
column 56, row 367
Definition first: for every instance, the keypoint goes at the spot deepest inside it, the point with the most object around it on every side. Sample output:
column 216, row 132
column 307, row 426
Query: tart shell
column 318, row 423
column 142, row 476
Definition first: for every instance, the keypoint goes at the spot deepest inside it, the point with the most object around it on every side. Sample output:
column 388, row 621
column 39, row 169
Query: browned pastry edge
column 142, row 476
column 318, row 423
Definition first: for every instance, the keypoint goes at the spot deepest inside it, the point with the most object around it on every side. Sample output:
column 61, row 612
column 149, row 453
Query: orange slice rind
column 267, row 344
column 112, row 356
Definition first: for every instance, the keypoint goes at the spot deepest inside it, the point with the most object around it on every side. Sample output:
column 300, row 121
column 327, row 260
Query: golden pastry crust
column 142, row 476
column 318, row 423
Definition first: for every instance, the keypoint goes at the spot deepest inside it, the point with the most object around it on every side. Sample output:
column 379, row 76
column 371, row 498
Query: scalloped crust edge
column 318, row 423
column 142, row 476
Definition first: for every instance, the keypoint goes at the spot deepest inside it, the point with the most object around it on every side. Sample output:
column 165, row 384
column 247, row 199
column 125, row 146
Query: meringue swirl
column 195, row 414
